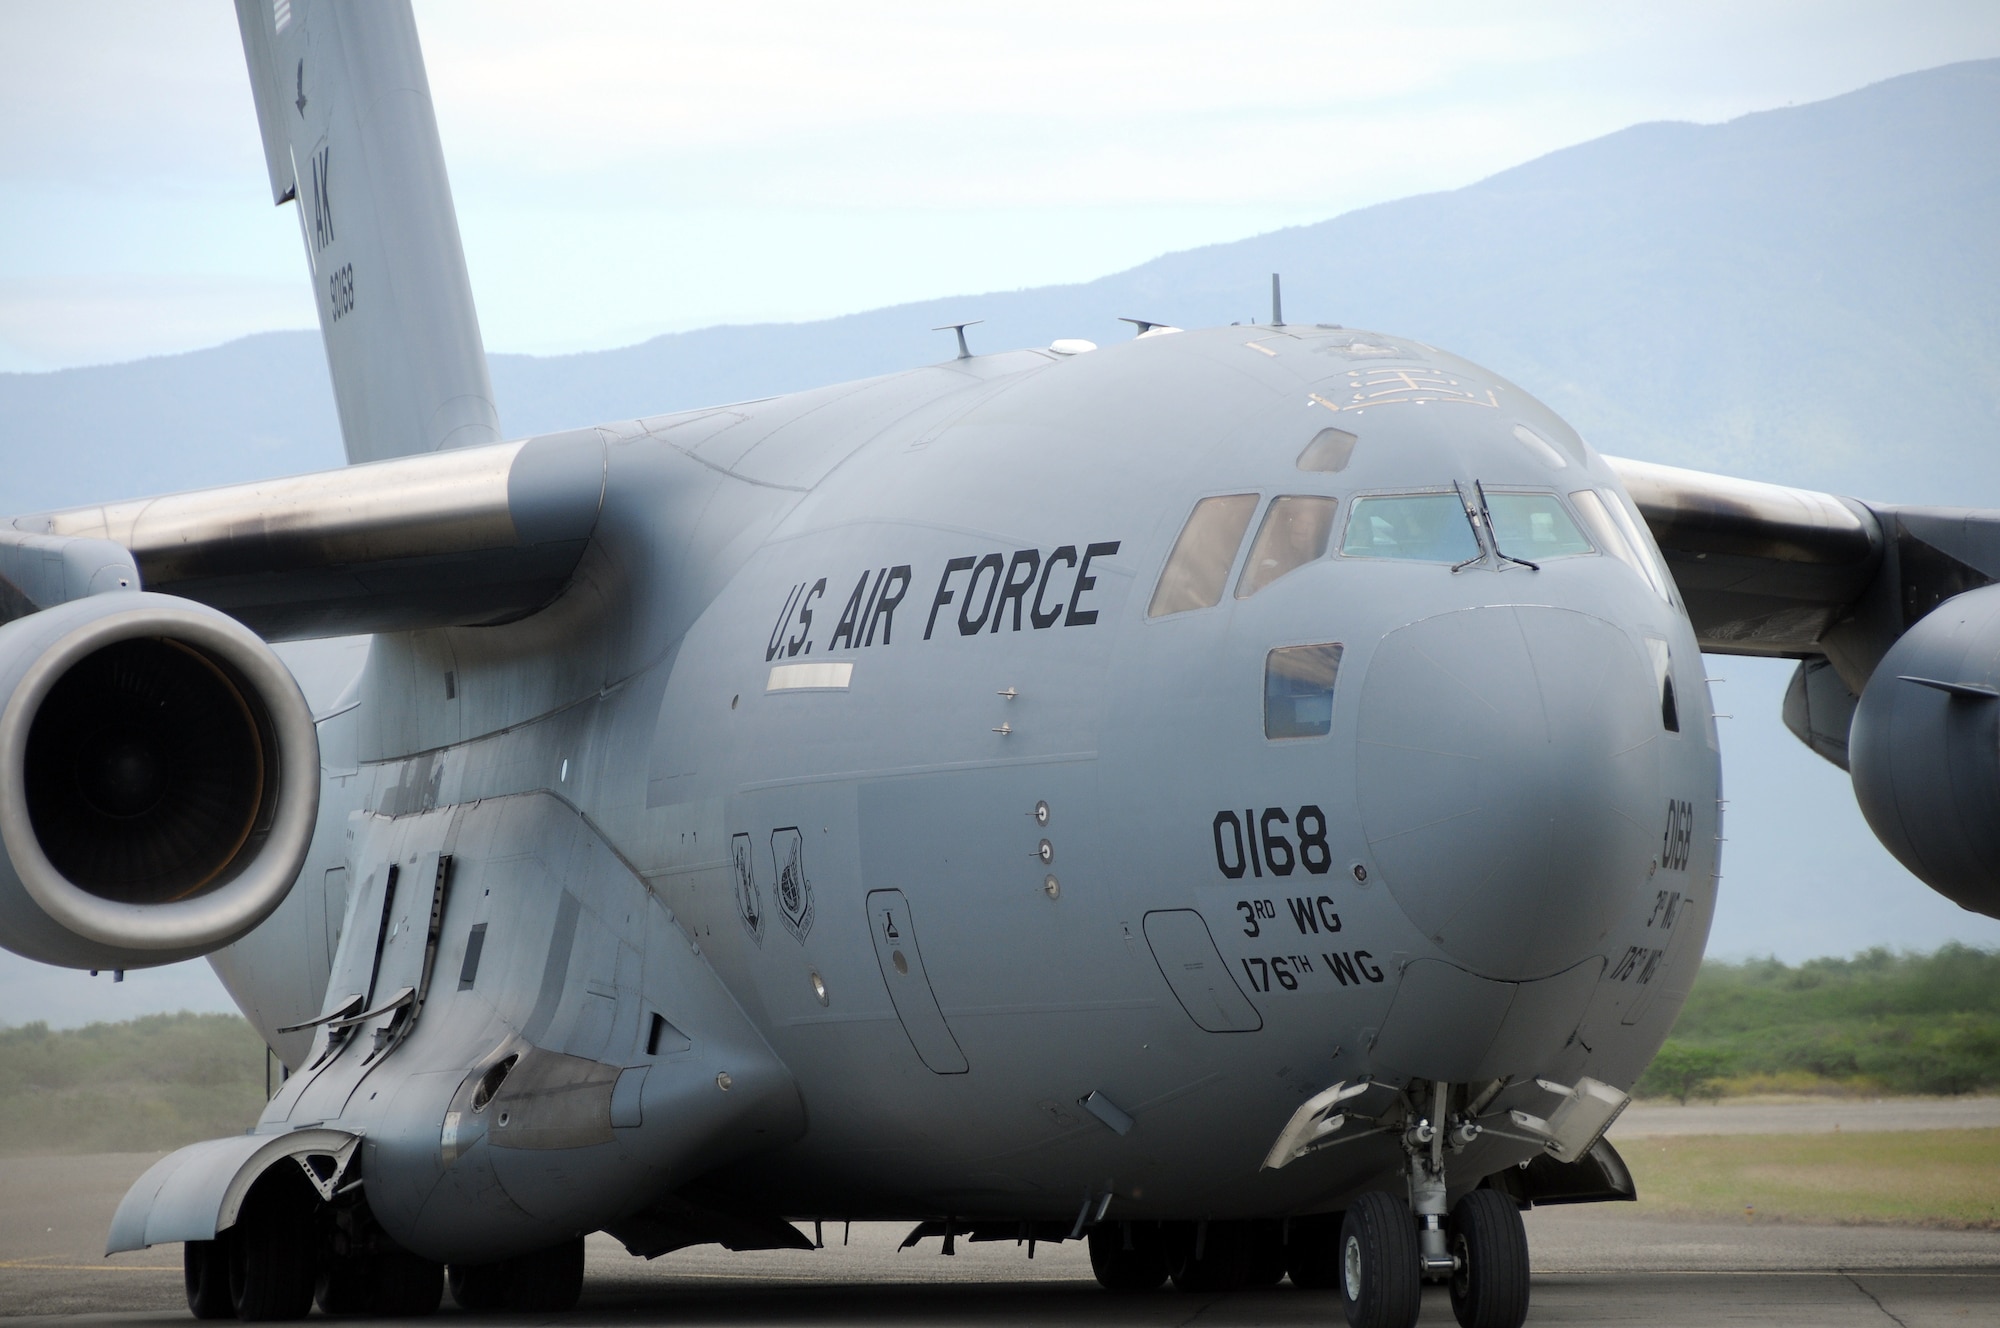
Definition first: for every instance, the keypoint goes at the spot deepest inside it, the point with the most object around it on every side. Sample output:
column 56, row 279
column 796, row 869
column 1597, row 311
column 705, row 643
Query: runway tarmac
column 1594, row 1264
column 1808, row 1116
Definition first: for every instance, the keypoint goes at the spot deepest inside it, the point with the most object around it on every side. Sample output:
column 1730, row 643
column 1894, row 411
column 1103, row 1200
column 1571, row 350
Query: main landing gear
column 1388, row 1247
column 546, row 1282
column 289, row 1250
column 1213, row 1256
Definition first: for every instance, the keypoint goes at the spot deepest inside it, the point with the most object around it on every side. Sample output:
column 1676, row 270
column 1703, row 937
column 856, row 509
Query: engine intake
column 159, row 781
column 1924, row 750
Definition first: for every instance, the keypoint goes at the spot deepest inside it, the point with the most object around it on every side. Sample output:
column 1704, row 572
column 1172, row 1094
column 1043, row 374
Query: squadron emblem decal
column 795, row 898
column 749, row 903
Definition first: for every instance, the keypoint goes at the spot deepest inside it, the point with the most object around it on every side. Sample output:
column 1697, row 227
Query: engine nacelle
column 1924, row 750
column 159, row 780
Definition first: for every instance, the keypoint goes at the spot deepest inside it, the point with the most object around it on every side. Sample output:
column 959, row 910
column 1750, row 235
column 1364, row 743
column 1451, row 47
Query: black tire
column 548, row 1281
column 273, row 1263
column 1264, row 1265
column 405, row 1286
column 1215, row 1259
column 344, row 1287
column 1489, row 1287
column 205, row 1271
column 484, row 1288
column 1380, row 1281
column 1312, row 1251
column 1128, row 1256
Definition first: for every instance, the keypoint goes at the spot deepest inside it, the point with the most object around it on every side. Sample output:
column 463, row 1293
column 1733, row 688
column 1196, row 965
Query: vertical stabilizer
column 351, row 136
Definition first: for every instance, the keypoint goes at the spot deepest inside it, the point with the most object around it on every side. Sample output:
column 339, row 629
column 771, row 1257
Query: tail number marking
column 1677, row 842
column 1257, row 843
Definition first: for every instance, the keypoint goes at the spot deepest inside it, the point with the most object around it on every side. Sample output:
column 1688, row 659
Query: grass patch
column 1876, row 1023
column 1932, row 1178
column 144, row 1085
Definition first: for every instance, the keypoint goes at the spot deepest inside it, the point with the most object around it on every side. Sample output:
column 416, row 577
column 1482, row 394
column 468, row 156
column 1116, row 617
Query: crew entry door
column 895, row 934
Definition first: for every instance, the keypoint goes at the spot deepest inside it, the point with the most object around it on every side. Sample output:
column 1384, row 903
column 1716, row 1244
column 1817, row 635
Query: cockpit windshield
column 1426, row 527
column 1534, row 526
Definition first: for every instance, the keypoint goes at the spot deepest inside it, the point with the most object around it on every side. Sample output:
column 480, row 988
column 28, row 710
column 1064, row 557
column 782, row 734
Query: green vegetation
column 144, row 1085
column 1933, row 1178
column 1876, row 1023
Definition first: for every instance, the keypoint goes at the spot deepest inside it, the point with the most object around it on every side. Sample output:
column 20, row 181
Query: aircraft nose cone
column 1509, row 782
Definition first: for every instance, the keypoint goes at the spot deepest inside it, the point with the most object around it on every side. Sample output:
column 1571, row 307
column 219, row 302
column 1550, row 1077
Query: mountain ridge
column 1809, row 295
column 1682, row 292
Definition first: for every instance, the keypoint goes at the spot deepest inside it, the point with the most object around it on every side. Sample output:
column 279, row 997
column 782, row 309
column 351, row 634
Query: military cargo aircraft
column 1246, row 798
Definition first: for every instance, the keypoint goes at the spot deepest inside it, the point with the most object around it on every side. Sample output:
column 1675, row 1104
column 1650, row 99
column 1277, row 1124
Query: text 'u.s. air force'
column 1027, row 590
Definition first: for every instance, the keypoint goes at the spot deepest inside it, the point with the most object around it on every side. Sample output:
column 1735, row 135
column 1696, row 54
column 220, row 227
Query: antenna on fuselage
column 1277, row 304
column 959, row 328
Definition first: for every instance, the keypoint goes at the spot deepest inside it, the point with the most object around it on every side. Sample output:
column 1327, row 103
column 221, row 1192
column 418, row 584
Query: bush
column 1879, row 1021
column 143, row 1085
column 1683, row 1071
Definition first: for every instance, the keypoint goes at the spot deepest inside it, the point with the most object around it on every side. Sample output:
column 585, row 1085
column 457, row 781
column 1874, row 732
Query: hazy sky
column 623, row 170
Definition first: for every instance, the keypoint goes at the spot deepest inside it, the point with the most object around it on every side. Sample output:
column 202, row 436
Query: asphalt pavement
column 1593, row 1264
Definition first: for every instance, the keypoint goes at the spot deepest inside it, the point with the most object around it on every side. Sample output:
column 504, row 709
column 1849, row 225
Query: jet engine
column 1925, row 750
column 159, row 781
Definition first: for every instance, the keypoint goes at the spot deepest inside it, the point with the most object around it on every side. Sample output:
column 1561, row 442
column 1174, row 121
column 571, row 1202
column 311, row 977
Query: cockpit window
column 1534, row 526
column 1629, row 521
column 1294, row 533
column 1330, row 450
column 1298, row 691
column 1429, row 527
column 1199, row 566
column 1663, row 678
column 1540, row 446
column 1616, row 535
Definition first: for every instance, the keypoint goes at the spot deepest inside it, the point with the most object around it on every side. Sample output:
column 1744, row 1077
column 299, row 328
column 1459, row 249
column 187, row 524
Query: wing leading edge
column 1770, row 570
column 468, row 536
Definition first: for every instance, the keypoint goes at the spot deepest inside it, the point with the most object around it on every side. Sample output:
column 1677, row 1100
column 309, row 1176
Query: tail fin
column 350, row 134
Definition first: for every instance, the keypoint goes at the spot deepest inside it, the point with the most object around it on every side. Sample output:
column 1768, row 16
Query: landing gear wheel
column 205, row 1271
column 1128, row 1256
column 343, row 1287
column 1312, row 1251
column 272, row 1264
column 1380, row 1283
column 1265, row 1263
column 1489, row 1287
column 1216, row 1258
column 483, row 1288
column 405, row 1286
column 549, row 1281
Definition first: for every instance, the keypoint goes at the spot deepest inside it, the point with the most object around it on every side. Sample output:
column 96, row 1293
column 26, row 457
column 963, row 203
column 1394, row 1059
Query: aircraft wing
column 467, row 536
column 486, row 534
column 1769, row 570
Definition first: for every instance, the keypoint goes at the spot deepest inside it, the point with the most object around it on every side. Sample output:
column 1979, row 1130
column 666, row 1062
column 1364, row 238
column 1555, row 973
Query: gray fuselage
column 860, row 692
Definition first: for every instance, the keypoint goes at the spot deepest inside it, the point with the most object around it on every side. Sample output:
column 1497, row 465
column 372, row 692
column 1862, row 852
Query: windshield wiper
column 1486, row 516
column 1481, row 534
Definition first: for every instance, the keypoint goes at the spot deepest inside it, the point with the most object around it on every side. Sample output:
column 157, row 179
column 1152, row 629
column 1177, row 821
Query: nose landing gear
column 1380, row 1275
column 1389, row 1247
column 1489, row 1246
